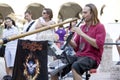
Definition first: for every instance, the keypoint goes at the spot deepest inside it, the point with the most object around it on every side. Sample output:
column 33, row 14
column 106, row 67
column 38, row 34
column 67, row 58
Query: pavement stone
column 94, row 76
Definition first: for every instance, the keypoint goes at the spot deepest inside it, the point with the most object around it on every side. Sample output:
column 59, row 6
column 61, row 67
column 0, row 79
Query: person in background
column 10, row 50
column 72, row 24
column 2, row 46
column 44, row 21
column 88, row 44
column 29, row 25
column 61, row 33
column 118, row 48
column 1, row 26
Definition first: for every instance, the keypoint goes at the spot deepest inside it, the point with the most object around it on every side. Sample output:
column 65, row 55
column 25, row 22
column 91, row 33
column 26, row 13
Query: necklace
column 87, row 29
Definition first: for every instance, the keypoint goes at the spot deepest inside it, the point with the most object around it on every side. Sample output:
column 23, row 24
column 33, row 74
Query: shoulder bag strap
column 29, row 26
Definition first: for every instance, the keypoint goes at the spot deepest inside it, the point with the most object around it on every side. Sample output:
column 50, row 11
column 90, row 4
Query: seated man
column 118, row 48
column 88, row 44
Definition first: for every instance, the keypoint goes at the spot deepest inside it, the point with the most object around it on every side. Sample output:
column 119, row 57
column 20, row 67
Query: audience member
column 61, row 33
column 10, row 50
column 44, row 21
column 29, row 25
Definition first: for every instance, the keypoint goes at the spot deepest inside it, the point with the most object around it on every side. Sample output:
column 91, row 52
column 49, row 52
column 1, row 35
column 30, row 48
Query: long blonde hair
column 94, row 12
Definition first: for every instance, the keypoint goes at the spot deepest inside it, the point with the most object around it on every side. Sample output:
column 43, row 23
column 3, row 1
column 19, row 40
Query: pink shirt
column 97, row 32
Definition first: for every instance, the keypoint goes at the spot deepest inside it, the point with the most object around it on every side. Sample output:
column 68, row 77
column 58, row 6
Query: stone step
column 95, row 76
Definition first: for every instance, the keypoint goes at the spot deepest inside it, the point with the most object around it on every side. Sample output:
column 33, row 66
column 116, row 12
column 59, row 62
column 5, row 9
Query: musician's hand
column 66, row 36
column 77, row 30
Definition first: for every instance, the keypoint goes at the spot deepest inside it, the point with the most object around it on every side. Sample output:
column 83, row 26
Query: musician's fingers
column 65, row 37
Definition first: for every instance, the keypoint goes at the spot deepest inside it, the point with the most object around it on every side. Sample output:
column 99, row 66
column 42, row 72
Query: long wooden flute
column 5, row 40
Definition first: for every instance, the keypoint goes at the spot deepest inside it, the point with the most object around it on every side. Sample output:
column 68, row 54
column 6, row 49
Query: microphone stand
column 68, row 40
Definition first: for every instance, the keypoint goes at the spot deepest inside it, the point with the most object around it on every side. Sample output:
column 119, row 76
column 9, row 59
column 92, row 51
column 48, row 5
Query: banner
column 31, row 61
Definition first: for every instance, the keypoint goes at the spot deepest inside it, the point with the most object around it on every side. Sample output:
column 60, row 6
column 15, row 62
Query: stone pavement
column 95, row 76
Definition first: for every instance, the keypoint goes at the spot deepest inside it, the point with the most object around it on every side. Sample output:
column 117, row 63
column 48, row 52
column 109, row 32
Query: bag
column 2, row 50
column 7, row 77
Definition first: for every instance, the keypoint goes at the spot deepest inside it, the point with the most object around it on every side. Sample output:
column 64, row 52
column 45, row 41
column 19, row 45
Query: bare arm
column 90, row 40
column 38, row 24
column 73, row 44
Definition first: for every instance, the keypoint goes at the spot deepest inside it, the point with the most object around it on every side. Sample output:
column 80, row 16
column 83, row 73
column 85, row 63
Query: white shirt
column 8, row 33
column 30, row 37
column 45, row 35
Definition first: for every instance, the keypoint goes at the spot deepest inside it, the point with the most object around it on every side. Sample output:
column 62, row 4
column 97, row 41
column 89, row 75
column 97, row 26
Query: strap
column 29, row 26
